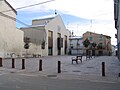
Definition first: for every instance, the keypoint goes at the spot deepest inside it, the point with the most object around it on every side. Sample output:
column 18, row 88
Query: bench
column 36, row 55
column 76, row 59
column 88, row 56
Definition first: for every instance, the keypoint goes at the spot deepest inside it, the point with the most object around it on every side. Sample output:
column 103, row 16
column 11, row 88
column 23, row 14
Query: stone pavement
column 87, row 70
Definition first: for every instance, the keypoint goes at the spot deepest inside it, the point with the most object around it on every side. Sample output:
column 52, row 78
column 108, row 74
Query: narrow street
column 81, row 76
column 22, row 82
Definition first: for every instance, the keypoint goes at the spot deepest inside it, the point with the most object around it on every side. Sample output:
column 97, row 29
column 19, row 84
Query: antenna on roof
column 72, row 33
column 55, row 12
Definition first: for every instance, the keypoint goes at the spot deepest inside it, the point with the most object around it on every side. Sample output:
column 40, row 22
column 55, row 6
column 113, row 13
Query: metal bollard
column 118, row 74
column 23, row 63
column 1, row 62
column 103, row 68
column 59, row 67
column 13, row 63
column 40, row 65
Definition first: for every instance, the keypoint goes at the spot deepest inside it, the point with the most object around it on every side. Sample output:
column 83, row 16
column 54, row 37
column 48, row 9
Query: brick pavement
column 90, row 68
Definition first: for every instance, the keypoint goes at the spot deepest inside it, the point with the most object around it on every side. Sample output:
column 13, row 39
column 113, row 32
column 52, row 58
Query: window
column 65, row 43
column 90, row 45
column 101, row 44
column 71, row 45
column 90, row 38
column 50, row 39
column 100, row 38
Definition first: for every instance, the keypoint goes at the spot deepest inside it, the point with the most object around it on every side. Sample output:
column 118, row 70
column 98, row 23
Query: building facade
column 114, row 49
column 117, row 24
column 76, row 45
column 11, row 38
column 49, row 35
column 99, row 44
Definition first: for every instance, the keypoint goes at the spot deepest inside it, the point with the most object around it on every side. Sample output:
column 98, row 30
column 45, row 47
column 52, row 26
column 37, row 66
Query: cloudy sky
column 78, row 16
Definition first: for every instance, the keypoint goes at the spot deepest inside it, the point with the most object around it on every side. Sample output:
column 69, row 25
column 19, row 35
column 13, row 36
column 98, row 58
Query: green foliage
column 86, row 43
column 99, row 46
column 94, row 44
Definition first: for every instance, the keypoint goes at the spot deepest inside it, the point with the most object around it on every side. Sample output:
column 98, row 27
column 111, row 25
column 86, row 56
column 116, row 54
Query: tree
column 86, row 43
column 99, row 46
column 94, row 45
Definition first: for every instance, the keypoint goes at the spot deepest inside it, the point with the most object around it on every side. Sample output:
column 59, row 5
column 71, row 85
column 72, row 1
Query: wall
column 36, row 34
column 57, row 26
column 106, row 41
column 11, row 39
column 41, row 21
column 77, row 45
column 118, row 32
column 118, row 43
column 40, row 32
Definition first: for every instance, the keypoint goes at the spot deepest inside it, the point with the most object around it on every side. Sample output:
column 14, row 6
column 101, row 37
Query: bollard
column 118, row 74
column 23, row 63
column 59, row 67
column 103, row 68
column 13, row 63
column 40, row 65
column 1, row 62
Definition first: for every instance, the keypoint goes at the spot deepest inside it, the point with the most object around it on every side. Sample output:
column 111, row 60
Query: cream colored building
column 51, row 32
column 11, row 38
column 103, row 43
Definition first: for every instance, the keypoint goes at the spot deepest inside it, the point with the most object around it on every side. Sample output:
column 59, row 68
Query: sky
column 78, row 16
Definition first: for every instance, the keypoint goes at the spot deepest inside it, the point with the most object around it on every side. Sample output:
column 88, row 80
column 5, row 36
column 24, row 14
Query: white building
column 50, row 34
column 117, row 24
column 11, row 38
column 113, row 50
column 76, row 45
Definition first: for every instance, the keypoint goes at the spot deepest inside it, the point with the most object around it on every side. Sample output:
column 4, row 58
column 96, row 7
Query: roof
column 50, row 17
column 10, row 6
column 76, row 37
column 98, row 34
column 33, row 26
column 43, row 22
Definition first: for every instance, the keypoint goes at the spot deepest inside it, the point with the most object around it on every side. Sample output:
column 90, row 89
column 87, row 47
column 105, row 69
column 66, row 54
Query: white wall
column 77, row 49
column 113, row 50
column 34, row 49
column 74, row 43
column 11, row 39
column 57, row 26
column 37, row 35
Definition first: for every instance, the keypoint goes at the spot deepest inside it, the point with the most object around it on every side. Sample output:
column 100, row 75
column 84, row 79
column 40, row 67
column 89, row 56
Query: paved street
column 23, row 82
column 89, row 67
column 82, row 76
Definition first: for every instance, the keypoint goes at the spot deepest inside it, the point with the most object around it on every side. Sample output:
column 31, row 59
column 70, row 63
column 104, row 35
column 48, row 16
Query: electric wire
column 16, row 20
column 12, row 18
column 29, row 6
